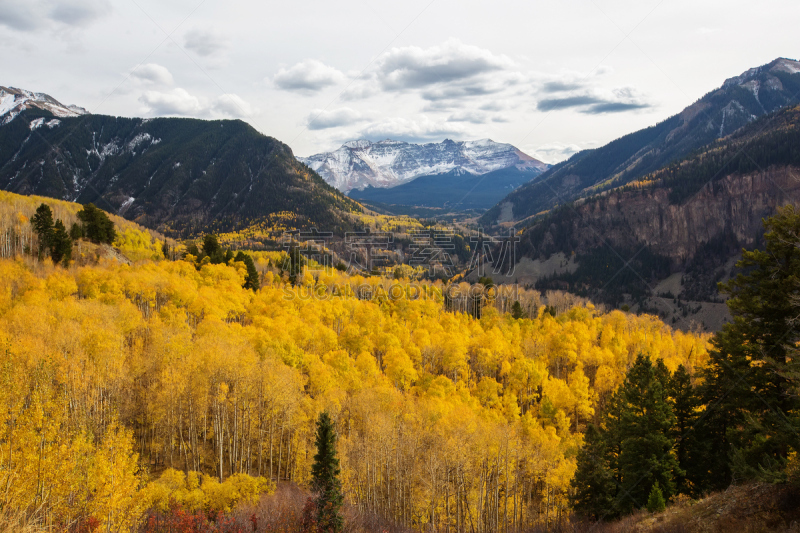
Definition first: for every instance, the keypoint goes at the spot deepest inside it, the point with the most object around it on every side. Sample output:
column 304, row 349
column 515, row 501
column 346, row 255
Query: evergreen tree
column 76, row 231
column 646, row 424
column 42, row 223
column 685, row 403
column 165, row 249
column 749, row 429
column 516, row 310
column 97, row 227
column 210, row 246
column 60, row 244
column 325, row 477
column 296, row 263
column 655, row 501
column 594, row 488
column 251, row 281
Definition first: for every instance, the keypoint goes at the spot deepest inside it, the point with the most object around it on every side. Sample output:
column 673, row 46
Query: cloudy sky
column 548, row 77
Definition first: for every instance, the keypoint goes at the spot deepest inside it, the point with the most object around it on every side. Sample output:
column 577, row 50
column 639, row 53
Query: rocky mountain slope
column 739, row 101
column 176, row 175
column 14, row 101
column 358, row 164
column 691, row 217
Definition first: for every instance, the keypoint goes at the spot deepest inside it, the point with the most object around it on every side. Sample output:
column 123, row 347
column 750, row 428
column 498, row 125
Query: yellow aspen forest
column 125, row 386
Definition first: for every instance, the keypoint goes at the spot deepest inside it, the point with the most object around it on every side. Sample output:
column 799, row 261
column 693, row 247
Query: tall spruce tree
column 751, row 425
column 594, row 487
column 251, row 281
column 685, row 403
column 325, row 477
column 60, row 244
column 97, row 227
column 42, row 222
column 646, row 423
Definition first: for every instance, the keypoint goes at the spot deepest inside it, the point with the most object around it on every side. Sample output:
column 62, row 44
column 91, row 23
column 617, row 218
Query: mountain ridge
column 388, row 163
column 177, row 175
column 737, row 102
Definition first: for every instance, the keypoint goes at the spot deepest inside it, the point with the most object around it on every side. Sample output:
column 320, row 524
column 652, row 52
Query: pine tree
column 60, row 244
column 646, row 424
column 97, row 227
column 594, row 488
column 251, row 281
column 685, row 403
column 325, row 477
column 42, row 223
column 76, row 231
column 747, row 384
column 655, row 501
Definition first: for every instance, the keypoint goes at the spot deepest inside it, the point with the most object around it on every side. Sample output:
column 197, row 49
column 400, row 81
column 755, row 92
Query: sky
column 551, row 78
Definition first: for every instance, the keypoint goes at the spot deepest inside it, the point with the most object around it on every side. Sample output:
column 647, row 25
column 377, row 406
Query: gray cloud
column 412, row 67
column 204, row 42
column 550, row 104
column 560, row 86
column 596, row 101
column 308, row 76
column 30, row 15
column 79, row 12
column 451, row 92
column 320, row 119
column 615, row 107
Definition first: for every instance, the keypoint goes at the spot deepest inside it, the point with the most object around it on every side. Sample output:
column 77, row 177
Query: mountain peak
column 13, row 101
column 361, row 163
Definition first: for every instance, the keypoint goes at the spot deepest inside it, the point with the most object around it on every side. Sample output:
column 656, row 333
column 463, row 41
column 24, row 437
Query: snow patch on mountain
column 13, row 101
column 388, row 163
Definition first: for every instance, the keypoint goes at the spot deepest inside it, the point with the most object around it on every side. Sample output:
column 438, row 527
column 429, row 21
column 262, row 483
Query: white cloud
column 320, row 119
column 412, row 67
column 232, row 105
column 554, row 152
column 308, row 76
column 474, row 117
column 175, row 102
column 404, row 129
column 152, row 73
column 179, row 102
column 360, row 91
column 205, row 41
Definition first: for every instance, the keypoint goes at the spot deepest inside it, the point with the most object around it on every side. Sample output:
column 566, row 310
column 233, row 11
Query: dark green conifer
column 685, row 403
column 325, row 477
column 60, row 244
column 594, row 488
column 646, row 423
column 97, row 227
column 42, row 223
column 751, row 425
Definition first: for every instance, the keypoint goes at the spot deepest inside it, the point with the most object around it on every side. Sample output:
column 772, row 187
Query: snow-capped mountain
column 389, row 163
column 13, row 101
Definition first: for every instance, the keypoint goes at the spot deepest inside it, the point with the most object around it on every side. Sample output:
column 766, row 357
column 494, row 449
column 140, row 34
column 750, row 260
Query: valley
column 203, row 332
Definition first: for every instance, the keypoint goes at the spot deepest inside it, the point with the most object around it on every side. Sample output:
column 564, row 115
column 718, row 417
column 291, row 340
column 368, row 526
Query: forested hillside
column 180, row 176
column 692, row 217
column 443, row 419
column 740, row 100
